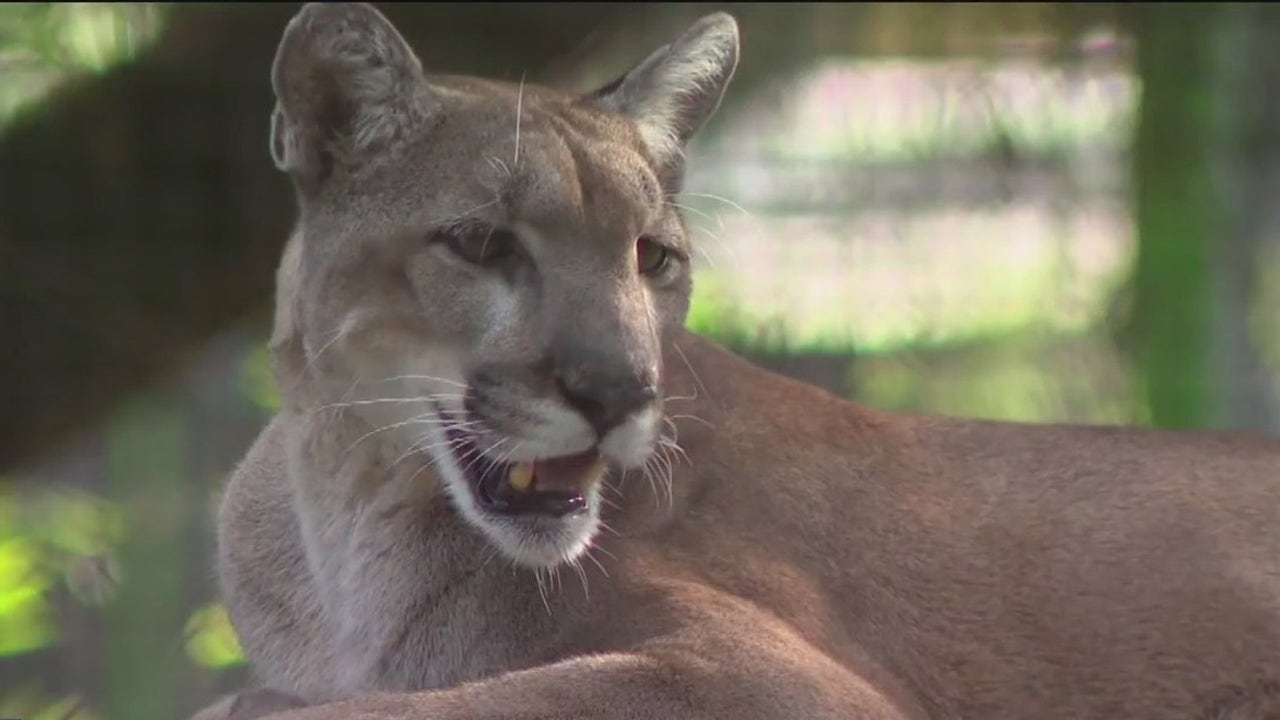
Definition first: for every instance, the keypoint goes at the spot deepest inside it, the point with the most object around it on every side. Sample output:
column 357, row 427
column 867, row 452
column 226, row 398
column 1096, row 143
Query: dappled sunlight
column 895, row 207
column 873, row 283
column 45, row 44
column 26, row 620
column 895, row 110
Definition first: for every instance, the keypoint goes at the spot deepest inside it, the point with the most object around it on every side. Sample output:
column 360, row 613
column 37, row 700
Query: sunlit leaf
column 211, row 639
column 26, row 621
column 256, row 380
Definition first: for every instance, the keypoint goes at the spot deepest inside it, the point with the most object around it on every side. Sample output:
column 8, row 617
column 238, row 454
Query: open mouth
column 550, row 487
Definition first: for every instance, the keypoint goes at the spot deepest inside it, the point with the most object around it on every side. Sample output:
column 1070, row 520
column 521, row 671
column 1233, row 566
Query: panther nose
column 606, row 402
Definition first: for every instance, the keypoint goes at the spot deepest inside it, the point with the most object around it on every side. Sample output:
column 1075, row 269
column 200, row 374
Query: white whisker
column 694, row 418
column 689, row 365
column 381, row 401
column 429, row 463
column 423, row 377
column 677, row 398
column 542, row 590
column 426, row 446
column 724, row 200
column 459, row 216
column 499, row 165
column 519, row 111
column 328, row 343
column 687, row 208
column 493, row 552
column 607, row 529
column 592, row 558
column 424, row 418
column 576, row 564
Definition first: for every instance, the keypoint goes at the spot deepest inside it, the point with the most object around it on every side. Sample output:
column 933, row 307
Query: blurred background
column 1037, row 212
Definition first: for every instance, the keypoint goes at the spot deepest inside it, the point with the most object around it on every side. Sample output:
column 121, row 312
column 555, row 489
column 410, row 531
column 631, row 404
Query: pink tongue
column 565, row 474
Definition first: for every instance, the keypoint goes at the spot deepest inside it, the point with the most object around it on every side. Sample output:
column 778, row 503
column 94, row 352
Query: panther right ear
column 346, row 85
column 677, row 88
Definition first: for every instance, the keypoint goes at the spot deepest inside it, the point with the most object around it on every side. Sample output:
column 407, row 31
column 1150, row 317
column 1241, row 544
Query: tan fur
column 782, row 554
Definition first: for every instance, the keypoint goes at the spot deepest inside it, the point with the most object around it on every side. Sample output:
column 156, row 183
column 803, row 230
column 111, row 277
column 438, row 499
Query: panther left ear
column 347, row 85
column 675, row 90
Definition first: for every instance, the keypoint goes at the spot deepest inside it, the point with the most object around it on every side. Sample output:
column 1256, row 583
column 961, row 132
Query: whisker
column 435, row 378
column 674, row 448
column 519, row 111
column 493, row 552
column 427, row 446
column 694, row 418
column 649, row 471
column 479, row 457
column 689, row 209
column 706, row 256
column 417, row 419
column 693, row 372
column 724, row 200
column 609, row 530
column 592, row 558
column 328, row 343
column 432, row 398
column 423, row 377
column 375, row 401
column 498, row 164
column 675, row 430
column 515, row 447
column 582, row 576
column 459, row 216
column 724, row 247
column 430, row 462
column 677, row 398
column 542, row 591
column 667, row 482
column 428, row 418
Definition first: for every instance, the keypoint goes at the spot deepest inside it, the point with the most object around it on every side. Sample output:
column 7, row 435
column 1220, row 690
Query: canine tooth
column 520, row 476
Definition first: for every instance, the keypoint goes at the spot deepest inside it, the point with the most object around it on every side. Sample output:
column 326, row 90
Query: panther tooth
column 520, row 476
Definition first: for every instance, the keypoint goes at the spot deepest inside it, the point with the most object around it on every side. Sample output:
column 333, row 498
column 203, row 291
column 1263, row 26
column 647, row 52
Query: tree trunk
column 1196, row 158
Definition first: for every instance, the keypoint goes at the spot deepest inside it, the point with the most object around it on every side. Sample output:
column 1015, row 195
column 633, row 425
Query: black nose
column 606, row 402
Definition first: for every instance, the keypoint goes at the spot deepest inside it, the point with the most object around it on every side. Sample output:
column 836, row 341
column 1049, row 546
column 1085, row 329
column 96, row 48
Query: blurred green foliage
column 44, row 44
column 211, row 640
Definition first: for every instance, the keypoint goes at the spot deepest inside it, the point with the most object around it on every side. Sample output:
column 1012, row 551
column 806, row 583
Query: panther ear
column 346, row 85
column 675, row 90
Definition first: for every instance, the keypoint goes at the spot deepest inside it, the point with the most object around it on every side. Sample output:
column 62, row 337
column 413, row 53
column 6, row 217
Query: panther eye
column 483, row 245
column 652, row 257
